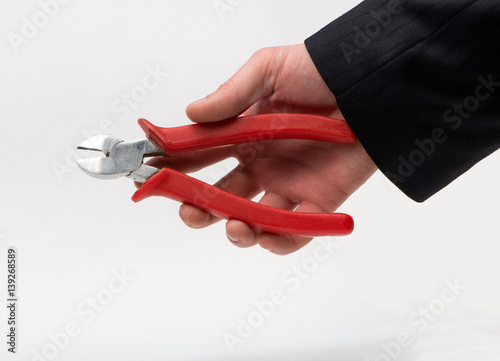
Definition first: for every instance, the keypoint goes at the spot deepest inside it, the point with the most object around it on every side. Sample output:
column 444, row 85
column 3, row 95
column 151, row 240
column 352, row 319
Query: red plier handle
column 183, row 188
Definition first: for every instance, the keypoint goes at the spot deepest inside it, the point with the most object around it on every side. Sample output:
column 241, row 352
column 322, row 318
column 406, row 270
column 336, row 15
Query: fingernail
column 232, row 239
column 193, row 226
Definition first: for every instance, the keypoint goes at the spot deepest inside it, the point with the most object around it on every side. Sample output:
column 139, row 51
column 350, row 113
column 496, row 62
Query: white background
column 191, row 287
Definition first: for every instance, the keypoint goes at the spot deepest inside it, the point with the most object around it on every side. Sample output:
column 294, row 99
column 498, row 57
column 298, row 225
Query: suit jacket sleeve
column 418, row 82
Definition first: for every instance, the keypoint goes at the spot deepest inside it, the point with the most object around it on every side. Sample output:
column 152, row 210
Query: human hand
column 307, row 176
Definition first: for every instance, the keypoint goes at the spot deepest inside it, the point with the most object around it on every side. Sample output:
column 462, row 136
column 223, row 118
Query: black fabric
column 418, row 82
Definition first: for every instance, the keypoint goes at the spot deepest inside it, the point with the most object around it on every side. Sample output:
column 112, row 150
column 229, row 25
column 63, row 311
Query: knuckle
column 265, row 53
column 227, row 87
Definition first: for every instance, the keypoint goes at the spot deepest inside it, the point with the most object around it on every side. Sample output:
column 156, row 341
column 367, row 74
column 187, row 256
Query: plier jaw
column 123, row 158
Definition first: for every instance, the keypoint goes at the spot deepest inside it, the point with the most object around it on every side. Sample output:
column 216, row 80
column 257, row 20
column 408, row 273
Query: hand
column 307, row 176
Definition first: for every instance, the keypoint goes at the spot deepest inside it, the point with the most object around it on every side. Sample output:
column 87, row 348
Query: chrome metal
column 101, row 142
column 143, row 173
column 121, row 158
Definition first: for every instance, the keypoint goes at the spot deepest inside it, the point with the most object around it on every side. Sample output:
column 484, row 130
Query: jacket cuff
column 402, row 73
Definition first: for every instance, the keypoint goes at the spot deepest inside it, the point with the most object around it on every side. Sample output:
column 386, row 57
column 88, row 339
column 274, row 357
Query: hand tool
column 125, row 158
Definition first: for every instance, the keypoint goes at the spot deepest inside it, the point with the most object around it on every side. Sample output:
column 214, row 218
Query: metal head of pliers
column 121, row 158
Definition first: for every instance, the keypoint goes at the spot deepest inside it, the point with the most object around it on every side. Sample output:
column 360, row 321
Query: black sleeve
column 418, row 82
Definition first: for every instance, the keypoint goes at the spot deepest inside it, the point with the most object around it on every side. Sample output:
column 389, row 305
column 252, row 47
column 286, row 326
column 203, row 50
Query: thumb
column 251, row 83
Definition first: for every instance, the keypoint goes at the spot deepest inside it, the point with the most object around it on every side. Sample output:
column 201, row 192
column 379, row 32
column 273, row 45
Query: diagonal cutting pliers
column 125, row 158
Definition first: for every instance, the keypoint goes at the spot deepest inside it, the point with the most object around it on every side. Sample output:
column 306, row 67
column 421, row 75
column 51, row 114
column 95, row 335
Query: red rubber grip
column 247, row 129
column 183, row 188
